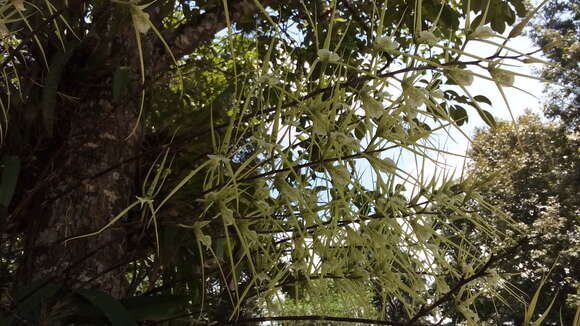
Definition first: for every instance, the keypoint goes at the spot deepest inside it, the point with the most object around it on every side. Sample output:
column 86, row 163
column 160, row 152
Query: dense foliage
column 192, row 162
column 533, row 174
column 557, row 31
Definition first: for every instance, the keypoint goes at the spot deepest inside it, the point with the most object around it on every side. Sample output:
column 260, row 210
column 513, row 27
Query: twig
column 314, row 318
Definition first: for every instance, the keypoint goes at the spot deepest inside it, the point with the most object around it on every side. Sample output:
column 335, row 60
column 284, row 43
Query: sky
column 457, row 142
column 518, row 101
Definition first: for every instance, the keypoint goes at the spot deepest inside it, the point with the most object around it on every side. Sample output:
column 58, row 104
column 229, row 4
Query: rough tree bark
column 98, row 140
column 97, row 136
column 85, row 192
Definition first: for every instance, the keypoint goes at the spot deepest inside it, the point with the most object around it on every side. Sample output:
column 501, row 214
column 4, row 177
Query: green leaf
column 450, row 95
column 111, row 307
column 539, row 321
column 155, row 307
column 487, row 118
column 4, row 321
column 49, row 92
column 498, row 25
column 458, row 114
column 498, row 15
column 10, row 172
column 120, row 82
column 482, row 99
column 31, row 297
column 360, row 130
column 520, row 7
column 476, row 22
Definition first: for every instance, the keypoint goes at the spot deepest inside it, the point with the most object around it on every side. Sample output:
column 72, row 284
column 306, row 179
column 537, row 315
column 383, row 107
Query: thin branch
column 189, row 36
column 481, row 272
column 353, row 83
column 315, row 318
column 305, row 165
column 311, row 229
column 29, row 37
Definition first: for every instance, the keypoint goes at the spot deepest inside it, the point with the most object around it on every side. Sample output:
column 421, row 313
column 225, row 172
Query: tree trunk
column 92, row 169
column 84, row 198
column 91, row 181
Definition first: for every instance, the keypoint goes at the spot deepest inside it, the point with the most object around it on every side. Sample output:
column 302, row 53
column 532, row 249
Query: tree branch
column 188, row 37
column 481, row 272
column 358, row 81
column 315, row 318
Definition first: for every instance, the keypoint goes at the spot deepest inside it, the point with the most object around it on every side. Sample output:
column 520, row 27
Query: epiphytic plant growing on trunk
column 182, row 161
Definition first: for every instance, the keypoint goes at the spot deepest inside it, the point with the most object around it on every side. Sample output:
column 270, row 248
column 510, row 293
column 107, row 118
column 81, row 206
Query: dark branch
column 315, row 318
column 189, row 36
column 481, row 272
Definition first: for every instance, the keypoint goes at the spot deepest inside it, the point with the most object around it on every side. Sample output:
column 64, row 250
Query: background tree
column 533, row 175
column 176, row 162
column 535, row 182
column 557, row 31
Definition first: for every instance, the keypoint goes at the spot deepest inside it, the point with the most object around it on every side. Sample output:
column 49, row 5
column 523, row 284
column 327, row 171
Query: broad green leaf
column 111, row 307
column 30, row 298
column 520, row 7
column 49, row 91
column 458, row 114
column 487, row 117
column 10, row 172
column 155, row 308
column 120, row 82
column 483, row 99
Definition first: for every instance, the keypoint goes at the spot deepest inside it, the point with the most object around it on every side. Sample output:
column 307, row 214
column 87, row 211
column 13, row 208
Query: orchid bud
column 427, row 37
column 385, row 43
column 4, row 31
column 320, row 123
column 18, row 4
column 339, row 174
column 140, row 19
column 414, row 96
column 201, row 237
column 373, row 108
column 482, row 32
column 325, row 55
column 460, row 76
column 410, row 111
column 501, row 76
column 437, row 93
column 382, row 164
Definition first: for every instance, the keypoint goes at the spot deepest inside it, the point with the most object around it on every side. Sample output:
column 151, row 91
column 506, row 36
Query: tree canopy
column 535, row 182
column 183, row 162
column 557, row 31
